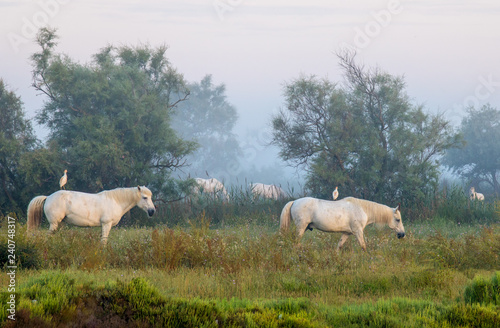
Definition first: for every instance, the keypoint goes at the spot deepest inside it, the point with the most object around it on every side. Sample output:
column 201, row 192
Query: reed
column 241, row 270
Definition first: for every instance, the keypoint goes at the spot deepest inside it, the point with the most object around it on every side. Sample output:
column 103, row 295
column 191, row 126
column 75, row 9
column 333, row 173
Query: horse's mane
column 378, row 213
column 125, row 194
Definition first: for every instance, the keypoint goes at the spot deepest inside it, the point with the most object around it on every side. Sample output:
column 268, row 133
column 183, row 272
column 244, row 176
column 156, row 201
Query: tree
column 208, row 119
column 16, row 139
column 316, row 131
column 110, row 119
column 365, row 136
column 478, row 161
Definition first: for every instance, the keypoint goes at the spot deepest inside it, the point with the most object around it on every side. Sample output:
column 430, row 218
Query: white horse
column 104, row 209
column 475, row 195
column 211, row 186
column 267, row 191
column 349, row 216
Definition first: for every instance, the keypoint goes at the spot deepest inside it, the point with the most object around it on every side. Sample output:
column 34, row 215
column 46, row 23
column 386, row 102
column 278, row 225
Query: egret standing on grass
column 63, row 180
column 336, row 193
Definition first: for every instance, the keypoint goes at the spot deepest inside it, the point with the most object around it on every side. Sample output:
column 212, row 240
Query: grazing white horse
column 267, row 191
column 104, row 209
column 349, row 216
column 211, row 186
column 475, row 195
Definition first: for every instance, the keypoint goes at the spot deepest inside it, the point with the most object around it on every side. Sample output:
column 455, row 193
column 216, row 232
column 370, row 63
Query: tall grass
column 450, row 204
column 253, row 260
column 454, row 205
column 242, row 208
column 483, row 290
column 230, row 260
column 55, row 300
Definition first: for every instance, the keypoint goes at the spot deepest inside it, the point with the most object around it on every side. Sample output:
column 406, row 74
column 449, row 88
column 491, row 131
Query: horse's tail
column 286, row 216
column 35, row 212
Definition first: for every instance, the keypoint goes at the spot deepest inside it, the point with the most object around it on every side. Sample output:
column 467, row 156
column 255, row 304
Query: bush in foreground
column 483, row 291
column 53, row 299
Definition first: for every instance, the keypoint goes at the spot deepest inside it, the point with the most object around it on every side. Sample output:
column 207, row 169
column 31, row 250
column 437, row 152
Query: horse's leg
column 361, row 239
column 343, row 239
column 54, row 221
column 300, row 232
column 106, row 227
column 53, row 227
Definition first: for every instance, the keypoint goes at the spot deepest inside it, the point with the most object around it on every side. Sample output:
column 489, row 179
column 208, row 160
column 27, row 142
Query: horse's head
column 145, row 202
column 396, row 223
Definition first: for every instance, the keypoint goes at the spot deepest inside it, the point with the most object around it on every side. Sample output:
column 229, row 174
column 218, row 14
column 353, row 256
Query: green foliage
column 460, row 315
column 41, row 170
column 453, row 204
column 16, row 141
column 477, row 161
column 471, row 250
column 109, row 120
column 413, row 313
column 51, row 300
column 54, row 299
column 26, row 254
column 367, row 138
column 243, row 273
column 483, row 291
column 241, row 209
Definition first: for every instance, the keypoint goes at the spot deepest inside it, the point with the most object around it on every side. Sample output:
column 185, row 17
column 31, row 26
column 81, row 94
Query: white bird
column 63, row 180
column 335, row 193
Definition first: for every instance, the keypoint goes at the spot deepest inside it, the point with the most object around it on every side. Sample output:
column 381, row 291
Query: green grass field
column 234, row 270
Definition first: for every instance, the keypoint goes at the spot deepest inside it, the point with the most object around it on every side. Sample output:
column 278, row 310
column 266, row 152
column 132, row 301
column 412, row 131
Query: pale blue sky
column 448, row 50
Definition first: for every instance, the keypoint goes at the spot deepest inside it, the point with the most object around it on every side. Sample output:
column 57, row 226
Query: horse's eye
column 144, row 198
column 398, row 220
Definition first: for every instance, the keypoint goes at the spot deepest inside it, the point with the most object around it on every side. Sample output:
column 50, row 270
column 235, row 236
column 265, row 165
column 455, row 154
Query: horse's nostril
column 401, row 234
column 151, row 212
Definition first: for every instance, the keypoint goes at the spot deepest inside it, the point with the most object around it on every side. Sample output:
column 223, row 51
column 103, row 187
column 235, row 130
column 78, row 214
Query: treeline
column 128, row 117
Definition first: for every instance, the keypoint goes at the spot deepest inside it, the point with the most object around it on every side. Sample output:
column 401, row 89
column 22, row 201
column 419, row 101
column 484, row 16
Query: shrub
column 468, row 251
column 54, row 299
column 26, row 254
column 467, row 315
column 483, row 291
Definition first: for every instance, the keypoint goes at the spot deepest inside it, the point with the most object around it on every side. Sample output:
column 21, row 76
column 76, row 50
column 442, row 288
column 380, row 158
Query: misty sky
column 448, row 50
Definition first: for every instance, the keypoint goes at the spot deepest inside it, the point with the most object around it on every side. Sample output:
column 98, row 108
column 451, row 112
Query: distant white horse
column 349, row 216
column 267, row 191
column 104, row 209
column 211, row 186
column 475, row 195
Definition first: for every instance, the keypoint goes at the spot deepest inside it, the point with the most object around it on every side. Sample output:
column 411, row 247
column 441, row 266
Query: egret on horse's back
column 349, row 216
column 104, row 209
column 335, row 193
column 63, row 180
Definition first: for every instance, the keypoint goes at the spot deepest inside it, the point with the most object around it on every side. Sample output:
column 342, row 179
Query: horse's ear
column 138, row 188
column 399, row 207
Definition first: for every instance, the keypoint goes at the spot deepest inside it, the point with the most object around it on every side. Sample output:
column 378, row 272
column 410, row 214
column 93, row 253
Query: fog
column 447, row 52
